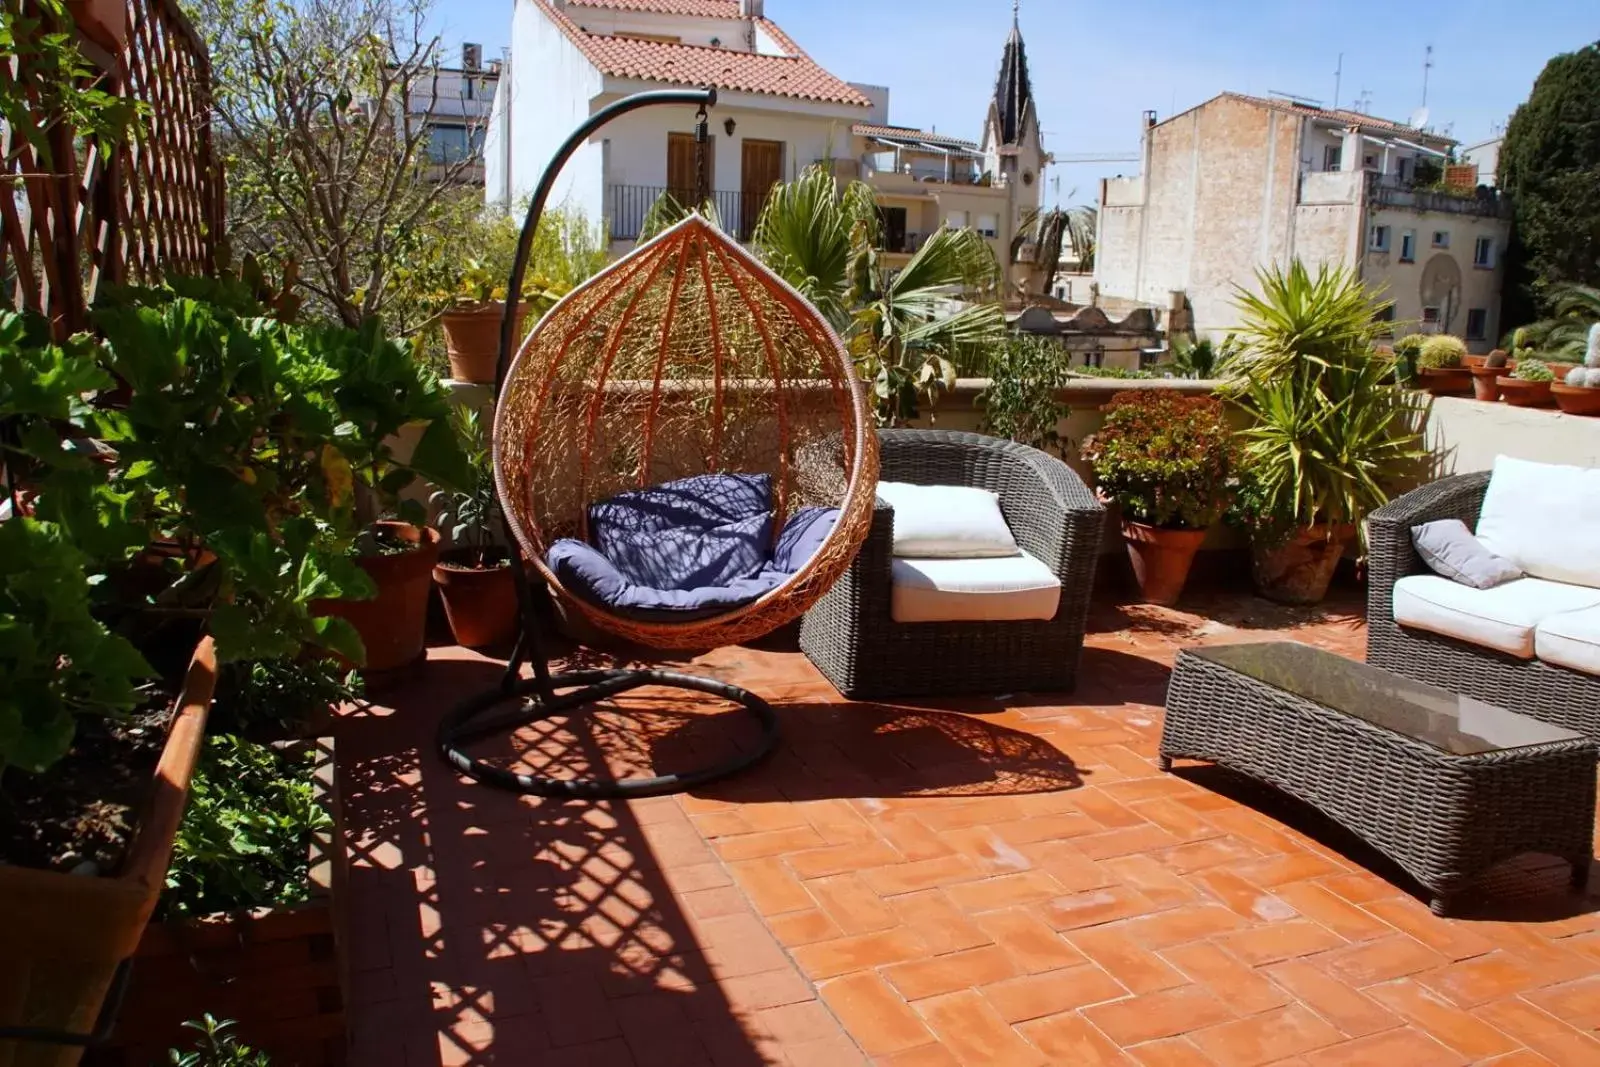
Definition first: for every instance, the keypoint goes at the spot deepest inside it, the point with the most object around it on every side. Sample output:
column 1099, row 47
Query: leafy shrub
column 1441, row 351
column 216, row 1046
column 246, row 834
column 1165, row 458
column 1112, row 372
column 1534, row 370
column 1021, row 402
column 278, row 697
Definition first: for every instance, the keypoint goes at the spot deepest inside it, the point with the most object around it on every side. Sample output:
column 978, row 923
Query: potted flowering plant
column 1165, row 460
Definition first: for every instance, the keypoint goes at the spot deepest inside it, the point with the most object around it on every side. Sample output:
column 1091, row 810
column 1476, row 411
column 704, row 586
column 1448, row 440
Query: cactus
column 1497, row 358
column 1534, row 370
column 1588, row 377
column 1591, row 355
column 1441, row 351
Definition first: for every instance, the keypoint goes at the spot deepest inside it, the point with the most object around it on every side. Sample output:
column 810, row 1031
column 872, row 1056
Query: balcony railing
column 1385, row 190
column 627, row 206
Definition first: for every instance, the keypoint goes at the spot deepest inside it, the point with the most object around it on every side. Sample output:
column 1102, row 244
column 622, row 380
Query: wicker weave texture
column 1555, row 694
column 851, row 636
column 1445, row 819
column 685, row 357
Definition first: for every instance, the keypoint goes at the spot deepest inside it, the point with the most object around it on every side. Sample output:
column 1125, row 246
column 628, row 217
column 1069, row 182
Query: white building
column 777, row 111
column 454, row 103
column 1485, row 155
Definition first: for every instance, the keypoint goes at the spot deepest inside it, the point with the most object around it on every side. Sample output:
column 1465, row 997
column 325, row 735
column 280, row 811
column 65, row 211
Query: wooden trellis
column 131, row 211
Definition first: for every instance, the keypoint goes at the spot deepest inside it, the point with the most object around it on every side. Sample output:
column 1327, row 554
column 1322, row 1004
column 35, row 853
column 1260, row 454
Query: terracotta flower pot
column 472, row 339
column 1486, row 382
column 1561, row 370
column 480, row 602
column 70, row 933
column 393, row 625
column 1161, row 559
column 105, row 22
column 1445, row 381
column 1576, row 399
column 1297, row 571
column 1524, row 394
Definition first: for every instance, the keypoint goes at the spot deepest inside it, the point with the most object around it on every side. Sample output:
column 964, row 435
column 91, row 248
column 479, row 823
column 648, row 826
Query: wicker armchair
column 1555, row 694
column 851, row 637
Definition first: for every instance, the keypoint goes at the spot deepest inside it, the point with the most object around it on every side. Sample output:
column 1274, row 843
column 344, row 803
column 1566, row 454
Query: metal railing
column 1385, row 190
column 628, row 205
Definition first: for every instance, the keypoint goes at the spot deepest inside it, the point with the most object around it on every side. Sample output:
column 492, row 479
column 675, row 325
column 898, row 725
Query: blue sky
column 1097, row 66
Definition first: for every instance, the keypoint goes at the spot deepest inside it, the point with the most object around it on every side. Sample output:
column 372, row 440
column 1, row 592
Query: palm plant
column 1300, row 322
column 1082, row 227
column 1565, row 334
column 906, row 329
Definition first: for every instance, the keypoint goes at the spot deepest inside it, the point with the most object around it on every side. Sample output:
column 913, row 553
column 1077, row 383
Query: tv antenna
column 1427, row 67
column 1363, row 102
column 1295, row 98
column 1338, row 77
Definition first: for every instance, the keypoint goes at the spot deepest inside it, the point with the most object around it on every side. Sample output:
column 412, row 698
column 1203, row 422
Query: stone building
column 1240, row 182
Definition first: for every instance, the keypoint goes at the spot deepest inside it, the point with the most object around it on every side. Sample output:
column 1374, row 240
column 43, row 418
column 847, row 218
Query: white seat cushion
column 1570, row 639
column 1544, row 517
column 1004, row 589
column 947, row 522
column 1502, row 618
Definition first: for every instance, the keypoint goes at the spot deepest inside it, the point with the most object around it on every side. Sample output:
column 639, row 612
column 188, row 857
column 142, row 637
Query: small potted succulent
column 1529, row 385
column 1439, row 366
column 1486, row 375
column 1165, row 460
column 1579, row 394
column 474, row 575
column 1406, row 351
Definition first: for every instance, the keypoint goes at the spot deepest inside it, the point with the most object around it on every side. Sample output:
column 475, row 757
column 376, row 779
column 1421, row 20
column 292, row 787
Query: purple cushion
column 802, row 535
column 590, row 575
column 690, row 557
column 690, row 503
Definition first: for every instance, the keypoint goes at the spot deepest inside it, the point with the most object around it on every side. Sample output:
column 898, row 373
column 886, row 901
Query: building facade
column 453, row 103
column 1241, row 182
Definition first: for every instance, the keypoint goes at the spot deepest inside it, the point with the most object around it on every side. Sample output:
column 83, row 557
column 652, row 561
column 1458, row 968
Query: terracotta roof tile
column 906, row 133
column 794, row 75
column 1340, row 115
column 716, row 9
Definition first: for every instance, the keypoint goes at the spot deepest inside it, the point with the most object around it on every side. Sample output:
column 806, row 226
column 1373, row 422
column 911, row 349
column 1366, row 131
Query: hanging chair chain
column 702, row 136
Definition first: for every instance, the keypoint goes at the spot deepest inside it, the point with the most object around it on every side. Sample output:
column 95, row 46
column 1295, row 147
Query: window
column 1477, row 324
column 1402, row 170
column 1483, row 252
column 956, row 220
column 1331, row 155
column 1430, row 316
column 1386, row 316
column 1369, row 162
column 1441, row 238
column 1378, row 239
column 1408, row 246
column 452, row 144
column 989, row 225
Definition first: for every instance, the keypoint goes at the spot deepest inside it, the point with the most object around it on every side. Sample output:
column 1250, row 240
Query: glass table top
column 1447, row 721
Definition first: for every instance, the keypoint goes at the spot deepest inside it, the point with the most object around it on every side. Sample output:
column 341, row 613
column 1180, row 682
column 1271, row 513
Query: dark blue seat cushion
column 697, row 546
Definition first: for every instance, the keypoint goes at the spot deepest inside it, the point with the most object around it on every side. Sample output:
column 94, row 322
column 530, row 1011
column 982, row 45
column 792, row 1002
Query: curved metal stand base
column 466, row 723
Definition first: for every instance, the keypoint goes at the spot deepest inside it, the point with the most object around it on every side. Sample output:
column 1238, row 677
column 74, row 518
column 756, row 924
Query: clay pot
column 1445, row 381
column 1486, row 383
column 58, row 958
column 1523, row 394
column 472, row 339
column 1576, row 399
column 1561, row 370
column 105, row 22
column 480, row 602
column 393, row 625
column 1161, row 559
column 1297, row 571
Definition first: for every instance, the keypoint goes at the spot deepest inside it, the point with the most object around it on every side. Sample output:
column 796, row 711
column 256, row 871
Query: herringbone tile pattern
column 1005, row 881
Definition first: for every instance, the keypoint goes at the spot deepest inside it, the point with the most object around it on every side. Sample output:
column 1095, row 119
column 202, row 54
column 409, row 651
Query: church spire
column 1013, row 92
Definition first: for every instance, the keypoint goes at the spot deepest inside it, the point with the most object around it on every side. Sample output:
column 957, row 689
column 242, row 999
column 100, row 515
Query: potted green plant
column 1579, row 394
column 1486, row 375
column 474, row 575
column 1165, row 460
column 473, row 316
column 1327, row 431
column 1439, row 366
column 1407, row 352
column 1529, row 385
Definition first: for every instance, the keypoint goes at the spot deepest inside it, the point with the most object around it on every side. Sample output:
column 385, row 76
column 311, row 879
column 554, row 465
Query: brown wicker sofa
column 851, row 636
column 1546, row 691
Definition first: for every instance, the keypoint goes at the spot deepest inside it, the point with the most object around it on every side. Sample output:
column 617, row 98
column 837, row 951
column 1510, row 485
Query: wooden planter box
column 65, row 935
column 278, row 972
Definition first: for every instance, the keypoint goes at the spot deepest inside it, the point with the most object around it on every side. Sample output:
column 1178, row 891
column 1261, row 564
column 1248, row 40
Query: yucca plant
column 1304, row 323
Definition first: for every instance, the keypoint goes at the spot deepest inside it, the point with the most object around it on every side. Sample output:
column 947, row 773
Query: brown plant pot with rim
column 393, row 625
column 1299, row 570
column 1161, row 559
column 1445, row 381
column 472, row 339
column 1576, row 399
column 105, row 22
column 1486, row 382
column 480, row 602
column 1523, row 394
column 66, row 934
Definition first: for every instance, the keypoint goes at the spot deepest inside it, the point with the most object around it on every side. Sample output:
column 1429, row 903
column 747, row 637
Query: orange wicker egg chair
column 686, row 357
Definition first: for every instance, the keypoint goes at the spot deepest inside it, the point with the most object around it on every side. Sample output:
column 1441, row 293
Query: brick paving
column 989, row 881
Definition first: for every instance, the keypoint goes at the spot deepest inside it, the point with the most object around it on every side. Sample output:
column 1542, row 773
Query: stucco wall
column 1480, row 287
column 1466, row 435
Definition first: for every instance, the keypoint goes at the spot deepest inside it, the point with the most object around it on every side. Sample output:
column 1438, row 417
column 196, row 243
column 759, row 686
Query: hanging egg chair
column 646, row 437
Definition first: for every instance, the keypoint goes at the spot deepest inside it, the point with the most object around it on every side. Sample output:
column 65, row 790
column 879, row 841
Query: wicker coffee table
column 1444, row 785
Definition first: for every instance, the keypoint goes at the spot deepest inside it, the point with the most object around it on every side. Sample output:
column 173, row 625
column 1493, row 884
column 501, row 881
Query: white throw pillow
column 947, row 522
column 1545, row 518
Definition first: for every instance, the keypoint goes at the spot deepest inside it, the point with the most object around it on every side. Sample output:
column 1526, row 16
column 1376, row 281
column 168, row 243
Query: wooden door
column 682, row 169
column 762, row 169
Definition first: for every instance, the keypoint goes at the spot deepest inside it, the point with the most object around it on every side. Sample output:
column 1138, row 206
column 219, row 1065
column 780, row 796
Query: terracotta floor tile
column 1058, row 827
column 829, row 1052
column 1242, row 896
column 1577, row 1003
column 922, row 874
column 1032, row 945
column 798, row 1023
column 1125, row 841
column 1265, row 1038
column 1520, row 1058
column 770, row 886
column 1247, row 990
column 1068, row 1039
column 1455, row 939
column 1431, row 1013
column 1354, row 1013
column 1199, row 855
column 1361, row 887
column 946, row 974
column 1333, row 911
column 992, row 894
column 933, row 1055
column 825, row 959
column 1282, row 870
column 940, row 924
column 1162, row 1014
column 1170, row 1052
column 855, row 908
column 1034, row 996
column 875, row 1015
column 1094, row 907
column 803, row 928
column 840, row 859
column 1160, row 884
column 1392, row 1048
column 1259, row 945
column 1467, row 983
column 975, row 1033
column 1135, row 966
column 1552, row 1038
